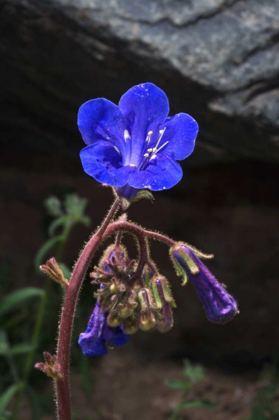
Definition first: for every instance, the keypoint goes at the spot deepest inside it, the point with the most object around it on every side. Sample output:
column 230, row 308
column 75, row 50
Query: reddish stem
column 138, row 231
column 68, row 312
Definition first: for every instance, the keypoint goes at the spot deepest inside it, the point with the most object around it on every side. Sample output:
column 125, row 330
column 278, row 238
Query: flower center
column 151, row 153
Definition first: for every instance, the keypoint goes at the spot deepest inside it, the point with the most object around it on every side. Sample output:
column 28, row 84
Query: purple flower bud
column 163, row 297
column 220, row 306
column 98, row 333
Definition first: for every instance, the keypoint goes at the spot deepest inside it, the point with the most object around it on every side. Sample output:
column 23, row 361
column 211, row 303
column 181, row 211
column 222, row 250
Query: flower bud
column 112, row 254
column 220, row 306
column 51, row 368
column 113, row 320
column 164, row 300
column 125, row 311
column 130, row 325
column 161, row 285
column 147, row 317
column 52, row 269
column 147, row 321
column 146, row 299
column 114, row 288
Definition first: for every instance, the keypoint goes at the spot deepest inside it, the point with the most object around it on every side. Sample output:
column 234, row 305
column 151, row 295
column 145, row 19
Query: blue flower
column 135, row 145
column 98, row 334
column 220, row 307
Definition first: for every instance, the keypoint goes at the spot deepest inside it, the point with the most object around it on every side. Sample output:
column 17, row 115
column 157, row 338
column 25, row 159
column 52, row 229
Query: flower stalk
column 67, row 316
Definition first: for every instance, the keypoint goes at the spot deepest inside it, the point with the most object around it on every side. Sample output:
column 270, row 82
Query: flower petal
column 100, row 119
column 161, row 173
column 102, row 161
column 115, row 336
column 144, row 108
column 91, row 341
column 219, row 305
column 181, row 133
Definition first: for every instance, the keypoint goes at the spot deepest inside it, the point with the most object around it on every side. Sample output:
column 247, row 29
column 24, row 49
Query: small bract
column 135, row 145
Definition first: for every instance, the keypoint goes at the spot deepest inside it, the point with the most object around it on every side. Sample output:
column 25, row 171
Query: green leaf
column 34, row 402
column 197, row 404
column 178, row 384
column 63, row 220
column 193, row 373
column 21, row 349
column 4, row 345
column 85, row 220
column 53, row 206
column 44, row 249
column 14, row 299
column 6, row 397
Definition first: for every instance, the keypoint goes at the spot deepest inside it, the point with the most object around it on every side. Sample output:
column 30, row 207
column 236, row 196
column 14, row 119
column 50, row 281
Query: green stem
column 38, row 325
column 62, row 243
column 179, row 407
column 12, row 365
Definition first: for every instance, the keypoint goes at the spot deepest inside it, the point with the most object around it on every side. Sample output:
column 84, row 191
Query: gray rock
column 217, row 60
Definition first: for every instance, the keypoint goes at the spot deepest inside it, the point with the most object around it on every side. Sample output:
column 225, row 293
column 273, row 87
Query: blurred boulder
column 216, row 59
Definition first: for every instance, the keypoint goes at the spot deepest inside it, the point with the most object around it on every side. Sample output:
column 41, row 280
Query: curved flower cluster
column 124, row 303
column 135, row 145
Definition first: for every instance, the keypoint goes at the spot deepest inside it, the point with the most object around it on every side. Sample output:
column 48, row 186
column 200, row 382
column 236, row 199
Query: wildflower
column 220, row 306
column 98, row 334
column 135, row 145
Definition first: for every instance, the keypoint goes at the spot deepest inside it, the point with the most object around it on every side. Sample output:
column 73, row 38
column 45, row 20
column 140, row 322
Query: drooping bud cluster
column 220, row 306
column 50, row 367
column 125, row 303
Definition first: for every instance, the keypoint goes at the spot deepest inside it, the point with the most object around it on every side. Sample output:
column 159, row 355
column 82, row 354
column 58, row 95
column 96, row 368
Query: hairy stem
column 138, row 231
column 68, row 312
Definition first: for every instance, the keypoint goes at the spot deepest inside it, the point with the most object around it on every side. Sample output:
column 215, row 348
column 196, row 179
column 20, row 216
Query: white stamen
column 149, row 134
column 127, row 135
column 160, row 137
column 163, row 145
column 118, row 151
column 146, row 155
column 153, row 157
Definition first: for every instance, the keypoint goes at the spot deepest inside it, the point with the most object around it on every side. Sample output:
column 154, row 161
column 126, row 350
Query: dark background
column 218, row 61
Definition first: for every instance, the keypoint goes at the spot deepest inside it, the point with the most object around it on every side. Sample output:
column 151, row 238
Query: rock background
column 217, row 60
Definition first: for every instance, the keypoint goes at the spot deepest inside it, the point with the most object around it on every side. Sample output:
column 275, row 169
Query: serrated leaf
column 194, row 373
column 44, row 249
column 14, row 299
column 21, row 349
column 75, row 206
column 6, row 397
column 197, row 404
column 53, row 206
column 178, row 384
